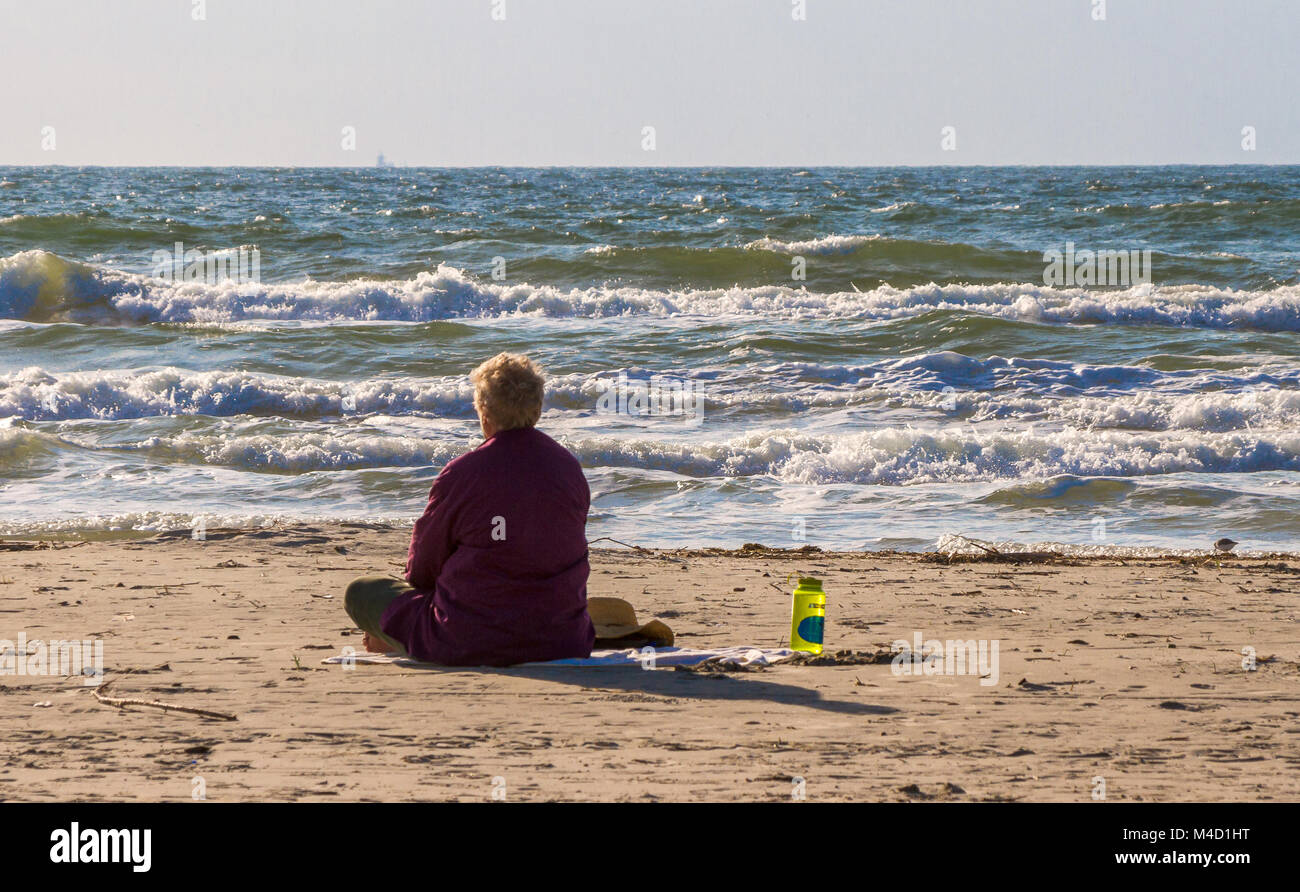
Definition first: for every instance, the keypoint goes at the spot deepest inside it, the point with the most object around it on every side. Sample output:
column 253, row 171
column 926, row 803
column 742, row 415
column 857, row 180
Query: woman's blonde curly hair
column 508, row 390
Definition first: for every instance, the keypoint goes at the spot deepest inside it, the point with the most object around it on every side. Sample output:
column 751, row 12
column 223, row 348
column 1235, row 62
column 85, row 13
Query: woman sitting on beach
column 497, row 569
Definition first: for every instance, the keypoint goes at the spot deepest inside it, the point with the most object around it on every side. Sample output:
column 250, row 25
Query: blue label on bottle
column 811, row 628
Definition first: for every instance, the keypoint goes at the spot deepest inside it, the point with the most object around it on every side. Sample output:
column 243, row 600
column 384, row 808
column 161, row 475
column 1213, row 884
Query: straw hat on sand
column 616, row 625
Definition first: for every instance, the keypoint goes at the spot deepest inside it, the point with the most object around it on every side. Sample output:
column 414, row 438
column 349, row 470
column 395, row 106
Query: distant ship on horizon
column 381, row 161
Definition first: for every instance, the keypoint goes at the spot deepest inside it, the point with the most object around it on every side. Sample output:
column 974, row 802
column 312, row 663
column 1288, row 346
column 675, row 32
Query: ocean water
column 918, row 383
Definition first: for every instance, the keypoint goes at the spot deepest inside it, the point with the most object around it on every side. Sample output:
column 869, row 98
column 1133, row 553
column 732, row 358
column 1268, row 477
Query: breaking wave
column 40, row 287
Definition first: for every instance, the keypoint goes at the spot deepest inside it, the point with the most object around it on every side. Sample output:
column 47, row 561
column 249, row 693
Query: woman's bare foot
column 374, row 644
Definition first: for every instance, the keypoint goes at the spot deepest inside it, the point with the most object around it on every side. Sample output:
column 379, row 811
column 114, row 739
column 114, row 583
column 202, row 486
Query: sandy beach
column 1126, row 670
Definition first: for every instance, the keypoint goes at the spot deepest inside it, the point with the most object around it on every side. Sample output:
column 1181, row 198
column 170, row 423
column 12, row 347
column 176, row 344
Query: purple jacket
column 498, row 560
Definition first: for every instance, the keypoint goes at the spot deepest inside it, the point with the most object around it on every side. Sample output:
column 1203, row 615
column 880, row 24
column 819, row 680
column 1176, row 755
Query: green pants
column 367, row 598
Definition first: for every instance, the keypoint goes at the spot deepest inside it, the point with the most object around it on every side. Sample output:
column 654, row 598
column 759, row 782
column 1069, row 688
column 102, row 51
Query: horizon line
column 651, row 166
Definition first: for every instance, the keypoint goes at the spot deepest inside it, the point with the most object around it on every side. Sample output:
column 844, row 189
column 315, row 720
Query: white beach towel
column 647, row 658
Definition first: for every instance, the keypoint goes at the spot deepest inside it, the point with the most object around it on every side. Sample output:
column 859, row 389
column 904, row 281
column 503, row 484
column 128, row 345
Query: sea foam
column 37, row 286
column 888, row 456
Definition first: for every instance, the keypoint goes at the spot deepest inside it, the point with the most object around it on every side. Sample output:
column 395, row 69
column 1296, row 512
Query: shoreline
column 1125, row 669
column 1022, row 553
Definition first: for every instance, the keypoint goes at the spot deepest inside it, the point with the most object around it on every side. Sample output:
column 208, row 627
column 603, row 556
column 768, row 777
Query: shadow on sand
column 684, row 685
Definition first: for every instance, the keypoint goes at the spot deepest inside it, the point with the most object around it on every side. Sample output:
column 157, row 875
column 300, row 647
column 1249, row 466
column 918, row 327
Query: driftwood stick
column 619, row 541
column 123, row 702
column 987, row 549
column 639, row 548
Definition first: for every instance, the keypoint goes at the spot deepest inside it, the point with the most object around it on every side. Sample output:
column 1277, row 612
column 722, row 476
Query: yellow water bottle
column 808, row 616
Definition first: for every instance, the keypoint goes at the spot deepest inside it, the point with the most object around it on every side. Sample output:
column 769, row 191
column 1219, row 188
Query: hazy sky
column 440, row 82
